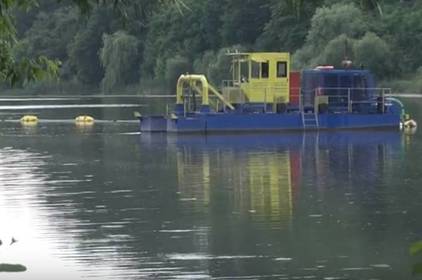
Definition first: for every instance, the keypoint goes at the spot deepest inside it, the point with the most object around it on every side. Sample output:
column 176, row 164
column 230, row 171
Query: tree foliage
column 243, row 21
column 374, row 53
column 171, row 33
column 12, row 68
column 84, row 49
column 175, row 67
column 165, row 37
column 329, row 31
column 336, row 51
column 287, row 27
column 50, row 35
column 119, row 58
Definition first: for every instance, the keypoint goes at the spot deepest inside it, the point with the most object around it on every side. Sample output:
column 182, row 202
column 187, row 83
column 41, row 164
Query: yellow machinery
column 261, row 78
column 258, row 78
column 199, row 84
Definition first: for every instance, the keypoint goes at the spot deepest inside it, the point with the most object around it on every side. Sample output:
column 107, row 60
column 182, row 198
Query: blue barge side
column 220, row 122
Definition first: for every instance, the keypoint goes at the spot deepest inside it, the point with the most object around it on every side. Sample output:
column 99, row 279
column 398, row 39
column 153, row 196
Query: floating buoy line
column 407, row 124
column 14, row 105
column 83, row 120
column 79, row 120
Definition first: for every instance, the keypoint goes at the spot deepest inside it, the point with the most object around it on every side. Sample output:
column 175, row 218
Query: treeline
column 111, row 48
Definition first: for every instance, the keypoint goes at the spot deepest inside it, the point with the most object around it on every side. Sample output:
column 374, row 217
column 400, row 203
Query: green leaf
column 416, row 248
column 38, row 73
column 417, row 269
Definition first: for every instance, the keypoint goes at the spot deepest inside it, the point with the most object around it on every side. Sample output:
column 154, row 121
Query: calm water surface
column 108, row 203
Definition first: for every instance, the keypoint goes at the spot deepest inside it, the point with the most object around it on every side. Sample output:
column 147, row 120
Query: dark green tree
column 327, row 24
column 375, row 54
column 402, row 28
column 84, row 50
column 119, row 57
column 173, row 34
column 175, row 67
column 288, row 26
column 23, row 69
column 51, row 33
column 16, row 69
column 243, row 21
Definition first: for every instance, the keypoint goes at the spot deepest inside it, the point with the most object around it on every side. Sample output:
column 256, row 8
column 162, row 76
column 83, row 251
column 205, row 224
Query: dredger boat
column 264, row 95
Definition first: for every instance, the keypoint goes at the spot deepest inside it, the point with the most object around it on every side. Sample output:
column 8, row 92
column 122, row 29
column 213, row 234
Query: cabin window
column 255, row 70
column 281, row 69
column 244, row 72
column 265, row 69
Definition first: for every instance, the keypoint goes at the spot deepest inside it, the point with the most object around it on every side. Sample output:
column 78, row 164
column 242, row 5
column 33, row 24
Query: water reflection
column 24, row 218
column 107, row 204
column 264, row 172
column 260, row 182
column 251, row 187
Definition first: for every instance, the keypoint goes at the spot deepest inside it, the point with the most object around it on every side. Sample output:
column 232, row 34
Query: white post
column 383, row 100
column 265, row 100
column 349, row 107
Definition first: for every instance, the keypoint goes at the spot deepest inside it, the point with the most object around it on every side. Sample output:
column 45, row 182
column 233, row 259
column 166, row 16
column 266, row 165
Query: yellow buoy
column 84, row 120
column 410, row 124
column 29, row 120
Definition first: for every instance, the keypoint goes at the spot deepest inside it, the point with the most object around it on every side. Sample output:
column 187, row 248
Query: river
column 105, row 202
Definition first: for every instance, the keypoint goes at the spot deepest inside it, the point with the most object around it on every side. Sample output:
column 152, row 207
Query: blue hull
column 222, row 122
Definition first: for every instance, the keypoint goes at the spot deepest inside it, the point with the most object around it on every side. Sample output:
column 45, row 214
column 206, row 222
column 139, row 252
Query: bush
column 175, row 67
column 336, row 51
column 374, row 53
column 119, row 57
column 201, row 64
column 409, row 84
column 327, row 25
column 217, row 66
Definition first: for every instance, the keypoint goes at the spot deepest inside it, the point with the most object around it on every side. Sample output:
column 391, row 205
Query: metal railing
column 265, row 95
column 337, row 99
column 348, row 99
column 230, row 83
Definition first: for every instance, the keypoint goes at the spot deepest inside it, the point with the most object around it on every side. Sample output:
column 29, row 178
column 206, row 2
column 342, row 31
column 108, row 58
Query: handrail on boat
column 342, row 96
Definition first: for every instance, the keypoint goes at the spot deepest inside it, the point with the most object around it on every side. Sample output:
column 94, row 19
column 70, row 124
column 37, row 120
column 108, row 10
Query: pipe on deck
column 206, row 88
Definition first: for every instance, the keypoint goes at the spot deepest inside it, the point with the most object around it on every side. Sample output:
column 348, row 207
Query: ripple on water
column 199, row 257
column 107, row 237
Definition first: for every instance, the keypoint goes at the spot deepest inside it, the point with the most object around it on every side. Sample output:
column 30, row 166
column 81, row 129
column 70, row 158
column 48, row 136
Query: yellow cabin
column 258, row 78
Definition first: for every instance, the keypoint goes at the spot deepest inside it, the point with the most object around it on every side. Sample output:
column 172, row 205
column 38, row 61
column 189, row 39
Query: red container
column 294, row 88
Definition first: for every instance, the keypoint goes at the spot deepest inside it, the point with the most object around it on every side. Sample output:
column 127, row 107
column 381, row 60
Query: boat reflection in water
column 115, row 206
column 264, row 172
column 259, row 180
column 261, row 196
